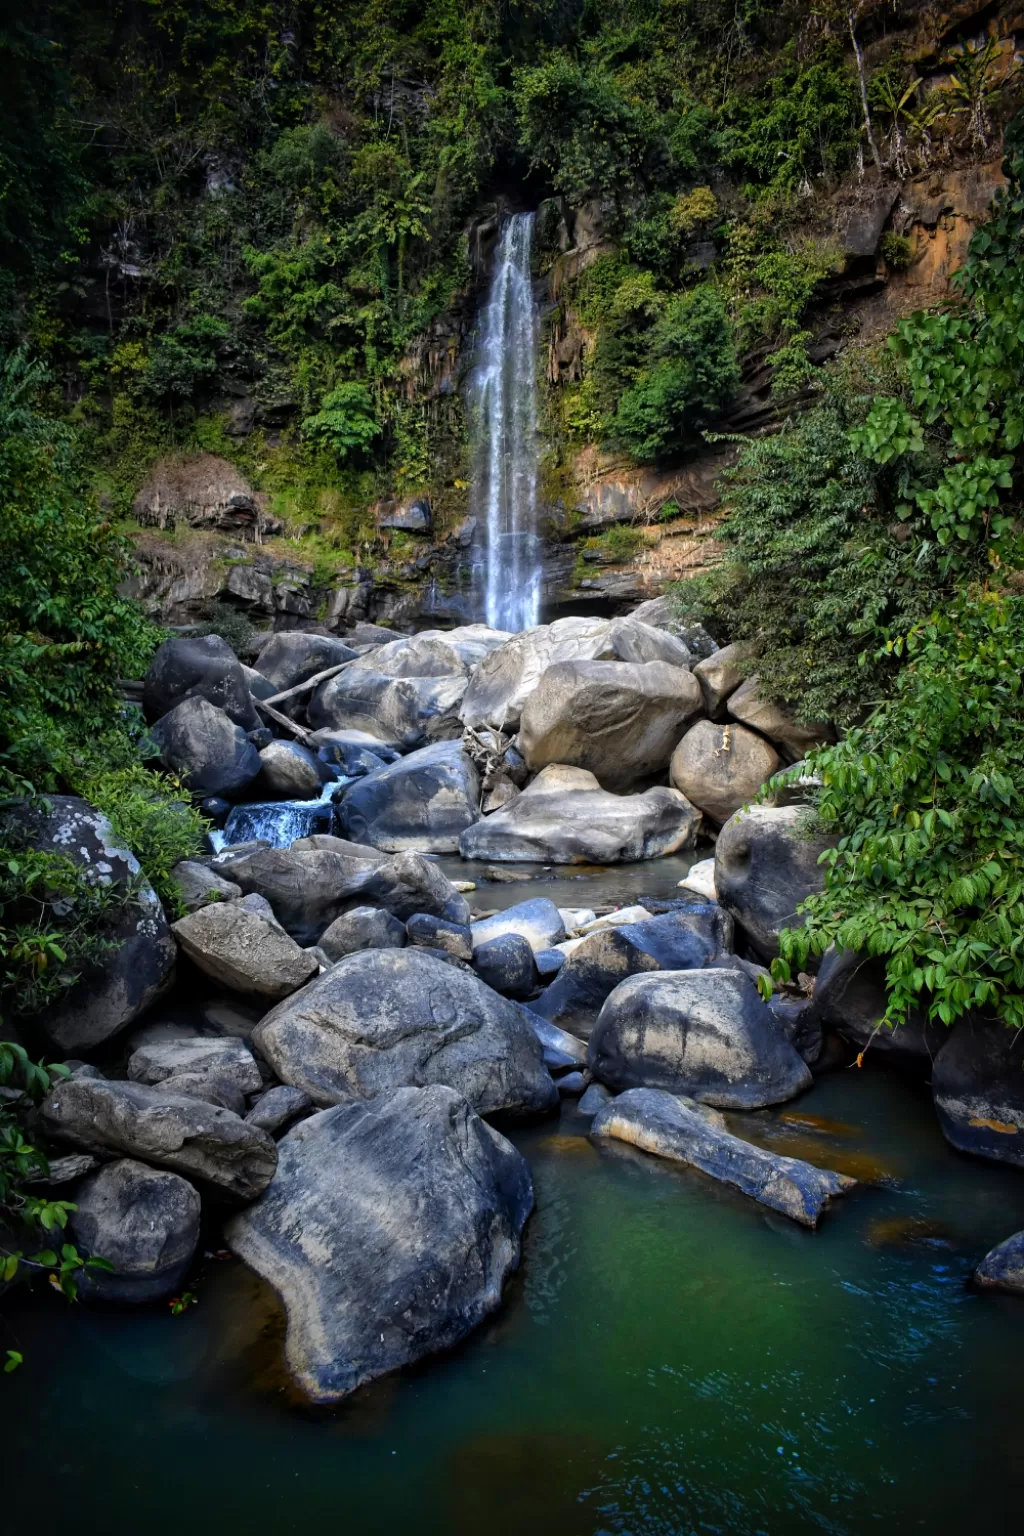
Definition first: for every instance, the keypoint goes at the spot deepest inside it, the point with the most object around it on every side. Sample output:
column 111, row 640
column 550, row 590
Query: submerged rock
column 1002, row 1269
column 687, row 1132
column 145, row 1222
column 565, row 817
column 766, row 864
column 392, row 1018
column 388, row 1232
column 424, row 801
column 706, row 1034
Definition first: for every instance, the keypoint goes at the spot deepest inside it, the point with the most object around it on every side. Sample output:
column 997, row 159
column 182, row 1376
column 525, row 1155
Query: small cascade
column 503, row 407
column 279, row 822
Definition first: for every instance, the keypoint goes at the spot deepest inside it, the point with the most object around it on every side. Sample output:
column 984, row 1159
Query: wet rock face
column 686, row 1132
column 389, row 1232
column 144, row 1221
column 208, row 752
column 978, row 1089
column 386, row 1019
column 140, row 966
column 199, row 666
column 424, row 801
column 706, row 1034
column 720, row 768
column 850, row 997
column 1003, row 1268
column 765, row 866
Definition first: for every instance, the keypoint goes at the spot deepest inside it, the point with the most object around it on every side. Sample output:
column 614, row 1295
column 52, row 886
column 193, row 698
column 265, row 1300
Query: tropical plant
column 345, row 422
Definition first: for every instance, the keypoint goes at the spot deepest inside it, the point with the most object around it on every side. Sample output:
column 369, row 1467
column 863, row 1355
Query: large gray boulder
column 721, row 674
column 198, row 886
column 676, row 941
column 850, row 997
column 565, row 817
column 428, row 654
column 294, row 656
column 388, row 1232
column 538, row 920
column 198, row 666
column 394, row 1018
column 619, row 720
column 229, row 1059
column 187, row 1135
column 978, row 1089
column 143, row 1221
column 1002, row 1269
column 244, row 950
column 722, row 767
column 208, row 752
column 706, row 1034
column 409, row 711
column 307, row 887
column 424, row 801
column 139, row 965
column 690, row 1133
column 362, row 928
column 409, row 883
column 749, row 706
column 766, row 864
column 290, row 771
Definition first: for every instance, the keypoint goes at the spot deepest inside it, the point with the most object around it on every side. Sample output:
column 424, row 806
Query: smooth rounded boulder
column 766, row 864
column 294, row 656
column 208, row 752
column 978, row 1090
column 1002, row 1268
column 410, row 712
column 388, row 1233
column 198, row 666
column 720, row 674
column 706, row 1034
column 290, row 771
column 362, row 928
column 424, row 801
column 538, row 920
column 143, row 1221
column 722, row 767
column 243, row 950
column 394, row 1018
column 307, row 887
column 408, row 883
column 565, row 817
column 506, row 964
column 619, row 720
column 749, row 706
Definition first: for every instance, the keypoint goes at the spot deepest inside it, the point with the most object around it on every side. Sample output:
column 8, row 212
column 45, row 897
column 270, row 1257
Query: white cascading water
column 503, row 406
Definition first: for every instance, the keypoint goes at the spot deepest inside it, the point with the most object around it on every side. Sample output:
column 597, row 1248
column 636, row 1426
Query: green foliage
column 150, row 816
column 52, row 925
column 804, row 126
column 927, row 799
column 184, row 359
column 345, row 422
column 692, row 209
column 577, row 123
column 897, row 251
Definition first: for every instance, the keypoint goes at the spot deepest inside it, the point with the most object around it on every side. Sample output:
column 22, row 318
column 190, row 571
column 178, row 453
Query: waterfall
column 503, row 407
column 279, row 822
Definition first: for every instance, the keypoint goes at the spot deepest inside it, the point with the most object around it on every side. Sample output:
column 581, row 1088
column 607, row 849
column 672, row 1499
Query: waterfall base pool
column 669, row 1359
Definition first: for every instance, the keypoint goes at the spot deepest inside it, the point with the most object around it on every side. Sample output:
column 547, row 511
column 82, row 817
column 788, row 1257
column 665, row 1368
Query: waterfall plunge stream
column 504, row 409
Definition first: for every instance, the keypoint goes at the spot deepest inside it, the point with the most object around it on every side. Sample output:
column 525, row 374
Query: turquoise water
column 669, row 1359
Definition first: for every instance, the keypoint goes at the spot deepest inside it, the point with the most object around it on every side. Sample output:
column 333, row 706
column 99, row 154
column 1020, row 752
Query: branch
column 862, row 77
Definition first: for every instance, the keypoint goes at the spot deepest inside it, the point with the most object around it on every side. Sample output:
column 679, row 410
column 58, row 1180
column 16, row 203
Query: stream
column 670, row 1357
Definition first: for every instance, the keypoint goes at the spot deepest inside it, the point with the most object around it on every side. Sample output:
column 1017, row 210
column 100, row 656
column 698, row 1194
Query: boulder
column 424, row 801
column 244, row 950
column 688, row 1132
column 307, row 887
column 348, row 759
column 410, row 516
column 565, row 817
column 850, row 997
column 409, row 883
column 428, row 932
column 207, row 1086
column 749, row 707
column 139, row 965
column 706, row 1034
column 198, row 667
column 371, row 634
column 595, row 1098
column 506, row 964
column 428, row 654
column 393, row 1018
column 206, row 750
column 157, row 1061
column 144, row 1221
column 700, row 878
column 978, row 1089
column 798, row 1020
column 293, row 656
column 766, row 864
column 278, row 1107
column 721, row 767
column 290, row 771
column 676, row 941
column 362, row 928
column 199, row 886
column 388, row 1232
column 537, row 920
column 619, row 720
column 721, row 674
column 1002, row 1269
column 571, row 1085
column 202, row 1141
column 561, row 1049
column 355, row 741
column 408, row 711
column 548, row 963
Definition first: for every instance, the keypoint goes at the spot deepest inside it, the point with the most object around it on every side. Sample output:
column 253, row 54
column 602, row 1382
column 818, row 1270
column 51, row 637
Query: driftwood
column 311, row 682
column 299, row 731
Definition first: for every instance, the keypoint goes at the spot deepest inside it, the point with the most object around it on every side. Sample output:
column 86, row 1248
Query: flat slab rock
column 389, row 1231
column 691, row 1133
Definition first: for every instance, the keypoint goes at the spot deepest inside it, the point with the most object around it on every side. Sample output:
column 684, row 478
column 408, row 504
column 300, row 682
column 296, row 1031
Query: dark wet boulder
column 429, row 932
column 850, row 997
column 362, row 928
column 294, row 656
column 1002, row 1269
column 798, row 1020
column 143, row 1221
column 690, row 1133
column 548, row 962
column 407, row 711
column 278, row 1107
column 722, row 767
column 766, row 864
column 706, row 1034
column 561, row 1049
column 139, row 965
column 290, row 771
column 307, row 887
column 595, row 1098
column 424, row 801
column 675, row 941
column 388, row 1232
column 187, row 1135
column 198, row 666
column 208, row 752
column 506, row 964
column 409, row 883
column 244, row 949
column 978, row 1089
column 537, row 920
column 350, row 759
column 393, row 1018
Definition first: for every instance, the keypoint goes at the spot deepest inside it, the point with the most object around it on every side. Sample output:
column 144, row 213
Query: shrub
column 897, row 251
column 692, row 209
column 345, row 422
